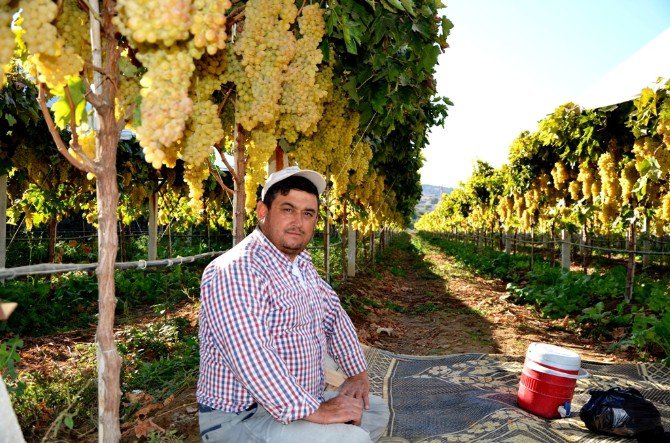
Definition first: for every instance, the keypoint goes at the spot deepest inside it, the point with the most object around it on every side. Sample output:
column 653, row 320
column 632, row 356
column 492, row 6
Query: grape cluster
column 6, row 40
column 127, row 95
column 332, row 147
column 203, row 130
column 647, row 147
column 194, row 176
column 54, row 61
column 41, row 36
column 301, row 101
column 665, row 207
column 166, row 104
column 560, row 175
column 611, row 190
column 86, row 143
column 627, row 180
column 209, row 24
column 586, row 178
column 266, row 48
column 179, row 42
column 73, row 26
column 260, row 149
column 209, row 73
column 158, row 21
column 663, row 126
column 505, row 208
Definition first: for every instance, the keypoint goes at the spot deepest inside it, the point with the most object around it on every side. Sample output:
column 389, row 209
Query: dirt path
column 428, row 305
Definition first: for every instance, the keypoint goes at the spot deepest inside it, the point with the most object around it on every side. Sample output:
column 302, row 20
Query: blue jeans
column 257, row 425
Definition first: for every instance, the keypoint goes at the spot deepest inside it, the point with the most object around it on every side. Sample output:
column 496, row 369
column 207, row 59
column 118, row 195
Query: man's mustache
column 295, row 231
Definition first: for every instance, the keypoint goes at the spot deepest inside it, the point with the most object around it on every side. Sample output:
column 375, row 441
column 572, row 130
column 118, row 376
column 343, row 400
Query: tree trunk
column 52, row 239
column 630, row 266
column 239, row 198
column 109, row 361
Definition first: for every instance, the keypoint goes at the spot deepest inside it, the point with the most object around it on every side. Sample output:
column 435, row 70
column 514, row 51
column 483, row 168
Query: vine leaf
column 408, row 5
column 61, row 107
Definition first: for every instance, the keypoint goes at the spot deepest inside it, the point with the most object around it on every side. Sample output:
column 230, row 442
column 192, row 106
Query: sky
column 512, row 62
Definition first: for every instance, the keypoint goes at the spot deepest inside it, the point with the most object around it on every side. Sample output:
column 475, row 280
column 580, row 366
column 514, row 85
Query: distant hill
column 430, row 197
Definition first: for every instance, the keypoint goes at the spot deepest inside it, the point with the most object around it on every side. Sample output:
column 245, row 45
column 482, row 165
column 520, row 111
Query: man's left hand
column 357, row 386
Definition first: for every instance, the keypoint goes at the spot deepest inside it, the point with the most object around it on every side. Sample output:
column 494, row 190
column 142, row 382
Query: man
column 267, row 322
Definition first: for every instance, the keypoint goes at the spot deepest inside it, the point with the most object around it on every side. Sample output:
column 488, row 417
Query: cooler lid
column 554, row 356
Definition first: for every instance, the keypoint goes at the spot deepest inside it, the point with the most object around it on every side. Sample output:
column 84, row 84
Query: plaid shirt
column 265, row 326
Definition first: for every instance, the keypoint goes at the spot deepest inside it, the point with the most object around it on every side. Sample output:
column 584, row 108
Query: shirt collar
column 303, row 257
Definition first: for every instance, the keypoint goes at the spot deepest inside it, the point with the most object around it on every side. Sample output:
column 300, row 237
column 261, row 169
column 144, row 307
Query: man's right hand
column 341, row 409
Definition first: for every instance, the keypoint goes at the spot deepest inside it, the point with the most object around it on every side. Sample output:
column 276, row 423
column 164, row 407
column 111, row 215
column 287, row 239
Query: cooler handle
column 583, row 373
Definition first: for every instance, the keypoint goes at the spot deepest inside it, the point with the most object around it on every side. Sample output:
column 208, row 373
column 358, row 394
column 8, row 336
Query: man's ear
column 261, row 210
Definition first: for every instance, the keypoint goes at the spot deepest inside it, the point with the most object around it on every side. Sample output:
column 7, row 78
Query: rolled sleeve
column 343, row 344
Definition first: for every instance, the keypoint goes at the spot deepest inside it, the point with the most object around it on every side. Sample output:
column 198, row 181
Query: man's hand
column 341, row 409
column 357, row 386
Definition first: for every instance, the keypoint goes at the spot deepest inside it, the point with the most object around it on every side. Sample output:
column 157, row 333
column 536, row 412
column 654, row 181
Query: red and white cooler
column 548, row 380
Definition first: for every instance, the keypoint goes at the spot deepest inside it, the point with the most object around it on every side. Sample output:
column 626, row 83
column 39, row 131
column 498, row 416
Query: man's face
column 289, row 223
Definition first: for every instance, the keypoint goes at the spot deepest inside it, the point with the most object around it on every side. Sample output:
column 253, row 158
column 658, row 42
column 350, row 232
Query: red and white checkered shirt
column 266, row 324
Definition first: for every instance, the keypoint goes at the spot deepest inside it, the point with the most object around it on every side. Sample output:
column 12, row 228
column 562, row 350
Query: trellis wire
column 560, row 242
column 57, row 268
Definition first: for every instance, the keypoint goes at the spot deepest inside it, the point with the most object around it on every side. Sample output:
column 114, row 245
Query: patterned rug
column 472, row 397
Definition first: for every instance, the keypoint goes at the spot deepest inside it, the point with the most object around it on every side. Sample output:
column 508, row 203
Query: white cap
column 313, row 176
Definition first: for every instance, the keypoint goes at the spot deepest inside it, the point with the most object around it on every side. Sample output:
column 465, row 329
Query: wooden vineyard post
column 351, row 251
column 169, row 242
column 565, row 250
column 153, row 227
column 239, row 197
column 646, row 244
column 532, row 247
column 343, row 244
column 51, row 248
column 508, row 243
column 583, row 246
column 326, row 230
column 372, row 247
column 3, row 221
column 630, row 266
column 122, row 240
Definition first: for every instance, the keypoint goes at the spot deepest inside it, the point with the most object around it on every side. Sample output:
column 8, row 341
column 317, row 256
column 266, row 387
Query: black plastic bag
column 622, row 412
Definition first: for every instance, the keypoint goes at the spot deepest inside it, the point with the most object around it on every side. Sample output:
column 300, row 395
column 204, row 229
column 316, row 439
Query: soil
column 412, row 304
